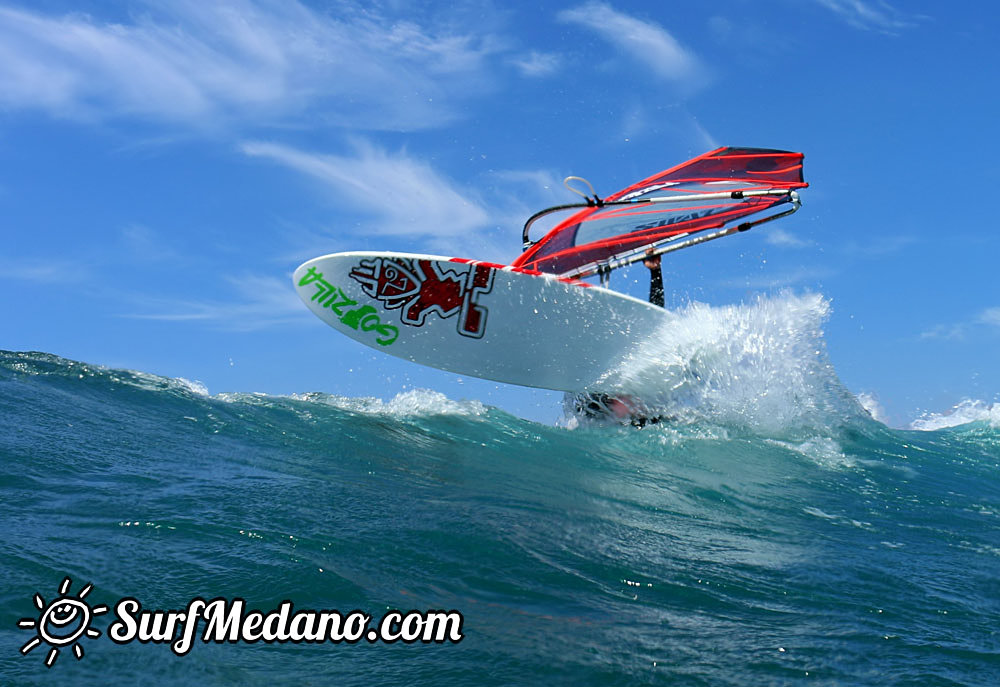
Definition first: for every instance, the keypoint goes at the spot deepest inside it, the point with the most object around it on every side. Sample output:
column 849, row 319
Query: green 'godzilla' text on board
column 364, row 318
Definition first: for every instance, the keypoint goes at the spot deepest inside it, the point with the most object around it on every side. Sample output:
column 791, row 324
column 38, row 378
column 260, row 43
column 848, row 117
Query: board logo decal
column 364, row 319
column 419, row 287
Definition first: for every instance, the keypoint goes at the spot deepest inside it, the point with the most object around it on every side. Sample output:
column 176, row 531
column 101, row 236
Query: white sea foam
column 962, row 414
column 150, row 381
column 194, row 386
column 870, row 403
column 823, row 451
column 762, row 364
column 413, row 402
column 427, row 402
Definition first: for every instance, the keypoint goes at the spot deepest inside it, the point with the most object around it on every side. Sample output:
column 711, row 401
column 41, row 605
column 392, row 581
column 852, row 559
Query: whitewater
column 770, row 531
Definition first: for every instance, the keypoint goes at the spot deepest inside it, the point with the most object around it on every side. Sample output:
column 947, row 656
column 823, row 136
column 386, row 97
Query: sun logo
column 62, row 621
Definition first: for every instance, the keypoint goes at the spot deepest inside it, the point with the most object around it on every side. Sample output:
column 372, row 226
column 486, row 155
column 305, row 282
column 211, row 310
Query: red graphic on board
column 419, row 287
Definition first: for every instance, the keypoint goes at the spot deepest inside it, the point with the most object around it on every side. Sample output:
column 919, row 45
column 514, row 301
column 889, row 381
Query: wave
column 964, row 413
column 698, row 546
column 760, row 368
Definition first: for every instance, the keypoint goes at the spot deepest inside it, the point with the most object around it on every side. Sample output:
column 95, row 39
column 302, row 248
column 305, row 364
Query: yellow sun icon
column 62, row 621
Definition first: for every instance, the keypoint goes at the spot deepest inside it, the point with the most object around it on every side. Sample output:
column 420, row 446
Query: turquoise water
column 724, row 548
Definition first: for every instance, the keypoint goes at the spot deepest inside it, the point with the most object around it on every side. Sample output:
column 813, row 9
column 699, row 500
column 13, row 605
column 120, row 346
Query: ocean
column 768, row 532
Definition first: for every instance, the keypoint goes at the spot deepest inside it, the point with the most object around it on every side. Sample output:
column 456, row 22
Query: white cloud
column 537, row 64
column 405, row 196
column 782, row 237
column 143, row 244
column 880, row 246
column 45, row 270
column 202, row 63
column 646, row 42
column 801, row 275
column 869, row 14
column 263, row 301
column 948, row 332
column 707, row 139
column 990, row 316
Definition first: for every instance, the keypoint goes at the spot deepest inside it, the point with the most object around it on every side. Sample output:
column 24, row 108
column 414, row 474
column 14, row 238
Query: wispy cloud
column 776, row 280
column 537, row 64
column 203, row 63
column 707, row 139
column 404, row 195
column 646, row 42
column 784, row 238
column 876, row 15
column 261, row 302
column 989, row 318
column 44, row 270
column 142, row 243
column 880, row 246
column 946, row 332
column 138, row 273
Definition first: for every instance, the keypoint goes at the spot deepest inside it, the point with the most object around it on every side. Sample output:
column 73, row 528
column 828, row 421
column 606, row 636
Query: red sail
column 602, row 232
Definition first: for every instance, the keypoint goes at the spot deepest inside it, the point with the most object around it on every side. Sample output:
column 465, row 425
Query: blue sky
column 167, row 165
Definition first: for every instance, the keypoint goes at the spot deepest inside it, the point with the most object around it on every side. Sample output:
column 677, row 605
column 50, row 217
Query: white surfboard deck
column 478, row 319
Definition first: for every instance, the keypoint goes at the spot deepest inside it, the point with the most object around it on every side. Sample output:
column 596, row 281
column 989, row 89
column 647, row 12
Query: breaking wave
column 761, row 365
column 966, row 412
